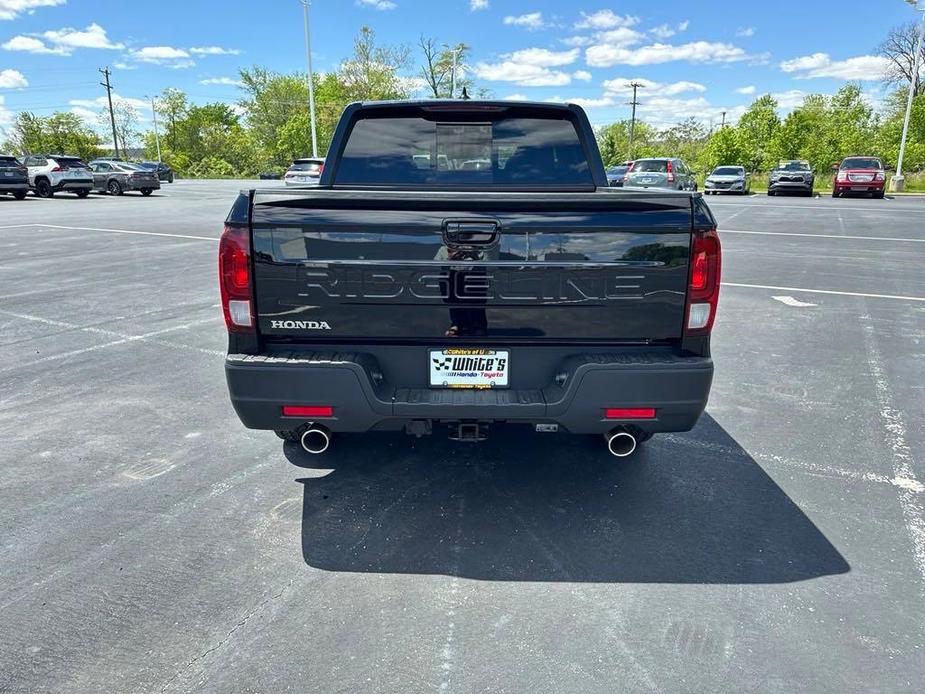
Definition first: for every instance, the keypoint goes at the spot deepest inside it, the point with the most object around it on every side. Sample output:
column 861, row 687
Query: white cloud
column 531, row 21
column 93, row 36
column 377, row 4
column 663, row 112
column 140, row 105
column 476, row 5
column 522, row 74
column 605, row 19
column 167, row 56
column 12, row 79
column 790, row 99
column 228, row 81
column 10, row 9
column 745, row 32
column 516, row 97
column 664, row 31
column 577, row 41
column 620, row 86
column 214, row 50
column 619, row 38
column 63, row 41
column 543, row 57
column 86, row 115
column 864, row 67
column 603, row 102
column 750, row 89
column 6, row 117
column 582, row 75
column 28, row 44
column 603, row 55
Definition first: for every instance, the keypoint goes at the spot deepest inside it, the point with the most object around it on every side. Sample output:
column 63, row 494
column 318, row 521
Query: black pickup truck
column 463, row 264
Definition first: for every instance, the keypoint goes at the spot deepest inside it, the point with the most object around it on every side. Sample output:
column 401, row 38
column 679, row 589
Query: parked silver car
column 728, row 179
column 116, row 177
column 671, row 173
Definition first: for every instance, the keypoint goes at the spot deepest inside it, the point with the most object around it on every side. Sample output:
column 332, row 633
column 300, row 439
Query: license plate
column 469, row 368
column 8, row 173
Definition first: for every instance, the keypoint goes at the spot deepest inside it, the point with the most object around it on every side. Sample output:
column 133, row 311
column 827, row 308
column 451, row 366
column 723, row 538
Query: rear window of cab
column 420, row 151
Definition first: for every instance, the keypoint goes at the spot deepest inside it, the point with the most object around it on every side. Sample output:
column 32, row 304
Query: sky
column 694, row 58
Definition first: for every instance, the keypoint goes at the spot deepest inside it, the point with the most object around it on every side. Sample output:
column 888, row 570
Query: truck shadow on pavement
column 532, row 507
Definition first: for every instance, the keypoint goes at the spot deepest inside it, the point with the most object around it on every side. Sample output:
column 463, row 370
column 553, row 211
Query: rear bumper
column 142, row 185
column 585, row 384
column 14, row 186
column 72, row 185
column 856, row 187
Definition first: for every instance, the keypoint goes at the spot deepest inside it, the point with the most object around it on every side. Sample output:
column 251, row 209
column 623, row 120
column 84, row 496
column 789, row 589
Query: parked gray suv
column 671, row 173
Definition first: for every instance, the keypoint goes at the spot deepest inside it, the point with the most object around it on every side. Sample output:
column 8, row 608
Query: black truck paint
column 350, row 286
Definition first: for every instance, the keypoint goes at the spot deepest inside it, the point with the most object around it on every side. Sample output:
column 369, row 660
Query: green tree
column 613, row 141
column 724, row 147
column 437, row 68
column 757, row 128
column 372, row 72
column 59, row 133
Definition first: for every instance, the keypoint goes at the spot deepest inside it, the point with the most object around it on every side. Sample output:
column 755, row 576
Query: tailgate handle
column 471, row 232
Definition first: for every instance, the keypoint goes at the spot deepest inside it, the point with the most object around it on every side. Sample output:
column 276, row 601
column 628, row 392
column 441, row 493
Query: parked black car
column 794, row 176
column 14, row 177
column 164, row 172
column 270, row 175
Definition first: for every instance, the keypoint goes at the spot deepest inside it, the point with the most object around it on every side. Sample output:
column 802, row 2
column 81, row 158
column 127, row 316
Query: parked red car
column 862, row 175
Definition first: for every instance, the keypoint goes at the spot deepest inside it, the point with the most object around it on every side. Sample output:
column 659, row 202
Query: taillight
column 56, row 169
column 842, row 176
column 23, row 170
column 320, row 168
column 631, row 167
column 234, row 271
column 703, row 288
column 670, row 172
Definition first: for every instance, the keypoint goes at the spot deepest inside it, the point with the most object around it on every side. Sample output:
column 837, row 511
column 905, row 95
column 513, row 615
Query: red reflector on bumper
column 629, row 413
column 307, row 411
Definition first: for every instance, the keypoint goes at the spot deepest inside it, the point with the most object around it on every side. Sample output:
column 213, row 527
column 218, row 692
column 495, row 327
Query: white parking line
column 823, row 291
column 821, row 236
column 822, row 207
column 115, row 231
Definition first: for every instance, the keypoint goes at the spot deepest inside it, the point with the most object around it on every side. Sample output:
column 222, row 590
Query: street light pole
column 311, row 85
column 898, row 183
column 634, row 103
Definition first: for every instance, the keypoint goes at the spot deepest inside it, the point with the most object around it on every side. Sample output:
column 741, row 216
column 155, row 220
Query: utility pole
column 311, row 81
column 456, row 51
column 112, row 116
column 723, row 125
column 157, row 136
column 634, row 103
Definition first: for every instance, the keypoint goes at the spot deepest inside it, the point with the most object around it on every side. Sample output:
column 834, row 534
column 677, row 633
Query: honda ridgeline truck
column 463, row 264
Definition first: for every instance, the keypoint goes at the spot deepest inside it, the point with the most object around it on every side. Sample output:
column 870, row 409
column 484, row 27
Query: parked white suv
column 52, row 173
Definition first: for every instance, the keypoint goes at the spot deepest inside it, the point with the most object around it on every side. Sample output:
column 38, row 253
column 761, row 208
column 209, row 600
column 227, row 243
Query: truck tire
column 43, row 188
column 114, row 187
column 146, row 191
column 20, row 195
column 82, row 193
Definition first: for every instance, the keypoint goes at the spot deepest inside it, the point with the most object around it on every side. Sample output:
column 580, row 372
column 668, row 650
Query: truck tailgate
column 343, row 265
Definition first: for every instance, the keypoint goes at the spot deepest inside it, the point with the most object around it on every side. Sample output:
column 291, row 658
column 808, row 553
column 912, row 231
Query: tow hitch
column 468, row 431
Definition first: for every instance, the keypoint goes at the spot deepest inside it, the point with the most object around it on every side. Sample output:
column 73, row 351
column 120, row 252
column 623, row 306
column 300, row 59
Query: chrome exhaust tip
column 316, row 440
column 620, row 443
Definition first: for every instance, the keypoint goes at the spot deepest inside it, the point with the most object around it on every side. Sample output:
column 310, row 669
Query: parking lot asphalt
column 150, row 543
